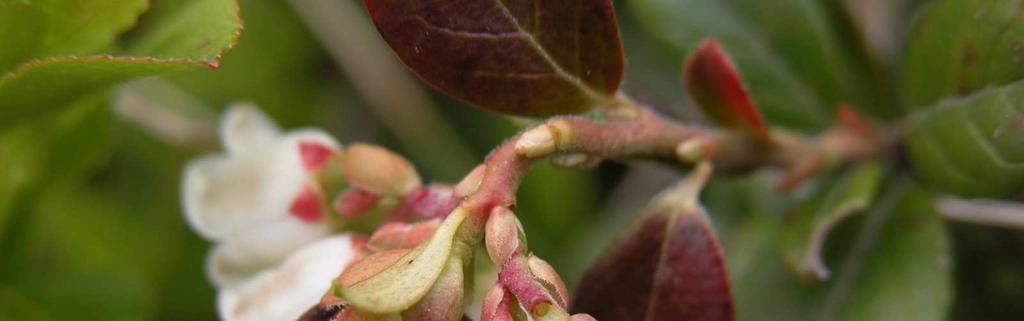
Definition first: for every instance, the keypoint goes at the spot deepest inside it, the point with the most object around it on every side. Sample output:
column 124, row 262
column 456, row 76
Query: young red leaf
column 519, row 57
column 714, row 84
column 668, row 266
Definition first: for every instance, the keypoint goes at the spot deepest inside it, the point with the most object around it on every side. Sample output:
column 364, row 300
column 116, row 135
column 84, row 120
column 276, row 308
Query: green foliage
column 959, row 46
column 804, row 234
column 973, row 146
column 77, row 53
column 892, row 264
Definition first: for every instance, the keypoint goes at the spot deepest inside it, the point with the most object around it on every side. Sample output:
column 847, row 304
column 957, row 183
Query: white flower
column 284, row 293
column 259, row 202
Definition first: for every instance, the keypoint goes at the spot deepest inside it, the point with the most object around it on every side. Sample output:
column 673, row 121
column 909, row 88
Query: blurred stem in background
column 395, row 96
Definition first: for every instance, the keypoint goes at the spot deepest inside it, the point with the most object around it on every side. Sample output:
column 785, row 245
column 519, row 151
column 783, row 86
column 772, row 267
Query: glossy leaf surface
column 806, row 231
column 712, row 81
column 972, row 146
column 959, row 46
column 667, row 266
column 518, row 57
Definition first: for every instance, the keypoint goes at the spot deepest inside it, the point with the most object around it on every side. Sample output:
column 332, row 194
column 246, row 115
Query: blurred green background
column 90, row 219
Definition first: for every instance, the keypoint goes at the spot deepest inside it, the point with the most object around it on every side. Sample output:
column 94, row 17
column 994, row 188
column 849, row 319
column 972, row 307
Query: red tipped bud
column 502, row 235
column 498, row 305
column 355, row 201
column 379, row 170
column 434, row 201
column 714, row 84
column 402, row 236
column 517, row 279
column 547, row 273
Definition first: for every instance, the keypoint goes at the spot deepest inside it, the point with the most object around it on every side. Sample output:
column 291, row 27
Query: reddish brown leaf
column 520, row 57
column 667, row 266
column 714, row 84
column 691, row 283
column 619, row 285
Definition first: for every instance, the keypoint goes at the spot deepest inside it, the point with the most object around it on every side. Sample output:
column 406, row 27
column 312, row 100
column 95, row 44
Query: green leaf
column 895, row 267
column 973, row 146
column 785, row 50
column 959, row 46
column 804, row 235
column 53, row 152
column 211, row 28
column 517, row 57
column 21, row 28
column 82, row 27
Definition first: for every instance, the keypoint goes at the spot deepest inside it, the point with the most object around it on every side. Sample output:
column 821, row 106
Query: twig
column 982, row 211
column 395, row 97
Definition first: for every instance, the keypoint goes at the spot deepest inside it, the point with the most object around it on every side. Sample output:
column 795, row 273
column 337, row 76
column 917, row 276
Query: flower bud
column 502, row 235
column 496, row 305
column 402, row 236
column 434, row 201
column 379, row 170
column 517, row 279
column 469, row 184
column 355, row 201
column 547, row 273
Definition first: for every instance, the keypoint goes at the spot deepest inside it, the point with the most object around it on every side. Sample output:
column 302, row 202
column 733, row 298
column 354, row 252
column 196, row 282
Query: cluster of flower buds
column 527, row 285
column 264, row 203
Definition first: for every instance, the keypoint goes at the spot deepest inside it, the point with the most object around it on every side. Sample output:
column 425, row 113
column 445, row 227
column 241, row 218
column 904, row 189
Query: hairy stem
column 632, row 130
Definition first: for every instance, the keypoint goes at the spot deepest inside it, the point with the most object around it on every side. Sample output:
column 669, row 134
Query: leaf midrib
column 558, row 70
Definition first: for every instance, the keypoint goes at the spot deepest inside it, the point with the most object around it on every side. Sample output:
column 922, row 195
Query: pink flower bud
column 355, row 201
column 434, row 201
column 516, row 278
column 308, row 205
column 497, row 305
column 547, row 273
column 379, row 170
column 501, row 235
column 469, row 184
column 402, row 236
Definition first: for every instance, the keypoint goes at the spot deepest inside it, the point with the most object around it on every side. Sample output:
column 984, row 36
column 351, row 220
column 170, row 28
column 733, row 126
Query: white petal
column 200, row 181
column 244, row 127
column 283, row 294
column 228, row 268
column 294, row 137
